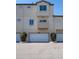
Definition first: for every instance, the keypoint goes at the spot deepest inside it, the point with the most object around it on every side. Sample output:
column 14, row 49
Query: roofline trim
column 25, row 4
column 57, row 15
column 45, row 1
column 30, row 4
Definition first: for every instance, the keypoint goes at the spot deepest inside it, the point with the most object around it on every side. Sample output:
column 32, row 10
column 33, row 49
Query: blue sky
column 58, row 5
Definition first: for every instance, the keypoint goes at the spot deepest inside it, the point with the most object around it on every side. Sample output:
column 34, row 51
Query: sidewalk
column 39, row 51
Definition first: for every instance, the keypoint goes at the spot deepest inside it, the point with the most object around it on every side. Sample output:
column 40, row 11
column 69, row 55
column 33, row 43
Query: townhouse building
column 38, row 21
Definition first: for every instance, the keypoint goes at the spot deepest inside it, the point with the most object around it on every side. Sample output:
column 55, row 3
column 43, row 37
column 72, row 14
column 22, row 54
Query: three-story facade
column 38, row 17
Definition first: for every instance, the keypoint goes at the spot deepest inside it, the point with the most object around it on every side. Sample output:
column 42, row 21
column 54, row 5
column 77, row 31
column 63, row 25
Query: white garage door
column 39, row 38
column 18, row 38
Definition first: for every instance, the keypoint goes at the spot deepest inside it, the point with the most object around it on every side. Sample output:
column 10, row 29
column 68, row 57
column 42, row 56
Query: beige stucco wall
column 43, row 13
column 19, row 24
column 48, row 15
column 25, row 14
column 58, row 23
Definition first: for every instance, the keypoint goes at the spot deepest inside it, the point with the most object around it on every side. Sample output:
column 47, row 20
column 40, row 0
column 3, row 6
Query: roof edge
column 57, row 15
column 30, row 4
column 25, row 4
column 45, row 1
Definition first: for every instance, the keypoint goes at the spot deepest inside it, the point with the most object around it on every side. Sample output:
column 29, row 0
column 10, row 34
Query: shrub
column 23, row 36
column 53, row 36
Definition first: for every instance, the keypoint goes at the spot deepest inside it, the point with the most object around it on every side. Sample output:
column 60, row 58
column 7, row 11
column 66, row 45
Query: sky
column 58, row 5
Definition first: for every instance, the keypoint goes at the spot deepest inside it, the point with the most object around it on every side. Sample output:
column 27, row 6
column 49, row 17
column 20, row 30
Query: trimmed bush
column 53, row 36
column 23, row 36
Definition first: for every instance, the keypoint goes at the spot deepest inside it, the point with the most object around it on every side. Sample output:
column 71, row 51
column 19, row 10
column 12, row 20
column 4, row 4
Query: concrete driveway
column 39, row 50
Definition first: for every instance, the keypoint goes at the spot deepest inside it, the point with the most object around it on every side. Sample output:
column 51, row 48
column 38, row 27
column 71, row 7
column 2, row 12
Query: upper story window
column 43, row 21
column 18, row 20
column 43, row 8
column 28, row 6
column 31, row 22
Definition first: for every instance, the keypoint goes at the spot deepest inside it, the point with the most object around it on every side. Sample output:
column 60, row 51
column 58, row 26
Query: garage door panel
column 39, row 38
column 18, row 39
column 59, row 37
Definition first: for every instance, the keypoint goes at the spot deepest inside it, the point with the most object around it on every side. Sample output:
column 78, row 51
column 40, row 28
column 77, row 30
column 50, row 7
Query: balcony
column 42, row 13
column 43, row 25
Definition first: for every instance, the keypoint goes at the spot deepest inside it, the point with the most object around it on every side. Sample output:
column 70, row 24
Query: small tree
column 53, row 36
column 23, row 36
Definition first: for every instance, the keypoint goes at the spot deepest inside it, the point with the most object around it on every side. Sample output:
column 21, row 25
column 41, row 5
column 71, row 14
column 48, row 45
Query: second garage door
column 38, row 37
column 59, row 36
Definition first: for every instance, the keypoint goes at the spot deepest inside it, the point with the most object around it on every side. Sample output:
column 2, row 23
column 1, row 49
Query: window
column 31, row 22
column 43, row 21
column 18, row 20
column 43, row 8
column 28, row 7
